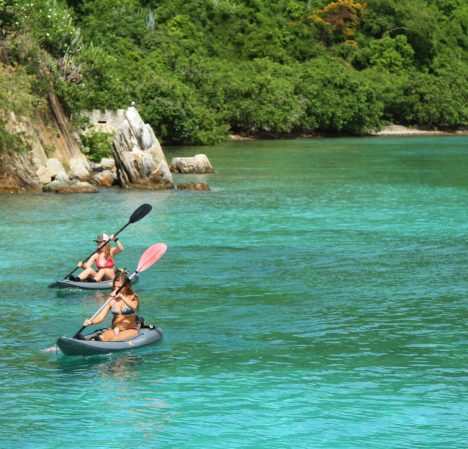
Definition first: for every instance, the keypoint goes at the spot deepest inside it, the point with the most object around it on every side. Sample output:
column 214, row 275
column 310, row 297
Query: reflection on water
column 115, row 366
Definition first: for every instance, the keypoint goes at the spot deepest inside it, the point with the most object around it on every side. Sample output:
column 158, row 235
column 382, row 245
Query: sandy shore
column 399, row 130
column 390, row 130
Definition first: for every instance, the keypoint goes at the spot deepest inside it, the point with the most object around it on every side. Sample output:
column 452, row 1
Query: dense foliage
column 199, row 70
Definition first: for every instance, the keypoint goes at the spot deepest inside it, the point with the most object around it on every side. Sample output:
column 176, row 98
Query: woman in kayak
column 123, row 305
column 103, row 259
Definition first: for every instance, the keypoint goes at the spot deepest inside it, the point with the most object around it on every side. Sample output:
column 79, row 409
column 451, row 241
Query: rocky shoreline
column 138, row 161
column 390, row 130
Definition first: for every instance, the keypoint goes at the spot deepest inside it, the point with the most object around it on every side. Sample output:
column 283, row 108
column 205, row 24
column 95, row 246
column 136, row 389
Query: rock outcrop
column 17, row 174
column 80, row 168
column 199, row 164
column 138, row 156
column 52, row 147
column 55, row 162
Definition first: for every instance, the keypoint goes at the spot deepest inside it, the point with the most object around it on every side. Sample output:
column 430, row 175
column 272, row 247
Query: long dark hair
column 127, row 290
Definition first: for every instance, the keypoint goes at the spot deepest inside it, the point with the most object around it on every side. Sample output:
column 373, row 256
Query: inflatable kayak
column 84, row 285
column 72, row 346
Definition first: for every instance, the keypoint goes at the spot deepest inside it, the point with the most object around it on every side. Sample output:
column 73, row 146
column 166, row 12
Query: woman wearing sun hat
column 103, row 258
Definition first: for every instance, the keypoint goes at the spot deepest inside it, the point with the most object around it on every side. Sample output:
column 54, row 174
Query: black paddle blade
column 79, row 332
column 141, row 212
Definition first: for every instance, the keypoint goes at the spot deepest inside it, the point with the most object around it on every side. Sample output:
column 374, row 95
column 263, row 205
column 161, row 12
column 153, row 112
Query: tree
column 337, row 101
column 338, row 20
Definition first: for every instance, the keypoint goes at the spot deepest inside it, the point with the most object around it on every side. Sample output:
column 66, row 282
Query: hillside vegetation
column 199, row 70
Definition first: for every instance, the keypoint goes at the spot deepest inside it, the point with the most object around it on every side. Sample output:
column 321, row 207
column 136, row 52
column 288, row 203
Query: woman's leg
column 87, row 272
column 104, row 274
column 109, row 335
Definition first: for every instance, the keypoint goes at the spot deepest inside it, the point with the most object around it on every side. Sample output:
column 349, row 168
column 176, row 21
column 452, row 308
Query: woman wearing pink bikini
column 103, row 259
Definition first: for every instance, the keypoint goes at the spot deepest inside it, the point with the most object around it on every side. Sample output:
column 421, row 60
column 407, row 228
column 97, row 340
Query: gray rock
column 108, row 162
column 138, row 156
column 198, row 164
column 45, row 174
column 70, row 187
column 80, row 168
column 57, row 170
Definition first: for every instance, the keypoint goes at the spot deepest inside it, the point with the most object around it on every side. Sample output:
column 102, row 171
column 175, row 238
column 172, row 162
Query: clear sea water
column 315, row 298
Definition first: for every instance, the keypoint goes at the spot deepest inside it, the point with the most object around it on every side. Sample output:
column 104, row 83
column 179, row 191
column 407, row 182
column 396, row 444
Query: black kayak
column 72, row 346
column 85, row 285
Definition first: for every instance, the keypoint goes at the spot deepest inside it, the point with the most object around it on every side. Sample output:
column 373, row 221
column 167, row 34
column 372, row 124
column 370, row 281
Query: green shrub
column 97, row 145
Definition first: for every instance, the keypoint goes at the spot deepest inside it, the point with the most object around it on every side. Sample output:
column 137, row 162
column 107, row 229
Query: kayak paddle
column 148, row 258
column 141, row 212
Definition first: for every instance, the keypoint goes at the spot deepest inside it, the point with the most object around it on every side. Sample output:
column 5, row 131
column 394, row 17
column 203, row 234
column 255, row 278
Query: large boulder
column 198, row 164
column 56, row 168
column 80, row 168
column 45, row 174
column 52, row 171
column 106, row 178
column 138, row 156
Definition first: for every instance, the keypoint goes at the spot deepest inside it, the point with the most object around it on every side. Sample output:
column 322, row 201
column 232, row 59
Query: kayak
column 85, row 285
column 72, row 346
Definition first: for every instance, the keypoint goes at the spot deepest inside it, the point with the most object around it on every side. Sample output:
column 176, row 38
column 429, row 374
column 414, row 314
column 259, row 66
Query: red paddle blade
column 150, row 256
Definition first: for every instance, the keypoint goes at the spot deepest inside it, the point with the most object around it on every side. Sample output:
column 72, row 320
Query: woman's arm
column 118, row 248
column 131, row 301
column 89, row 262
column 102, row 314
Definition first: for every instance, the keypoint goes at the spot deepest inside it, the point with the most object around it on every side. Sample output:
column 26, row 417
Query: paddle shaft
column 107, row 302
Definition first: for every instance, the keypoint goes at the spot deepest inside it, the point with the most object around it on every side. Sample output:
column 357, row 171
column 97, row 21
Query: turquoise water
column 316, row 298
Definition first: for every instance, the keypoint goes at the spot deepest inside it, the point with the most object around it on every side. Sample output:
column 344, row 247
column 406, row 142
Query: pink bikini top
column 109, row 262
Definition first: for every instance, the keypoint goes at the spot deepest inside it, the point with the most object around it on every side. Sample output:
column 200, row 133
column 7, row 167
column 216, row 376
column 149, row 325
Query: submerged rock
column 198, row 186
